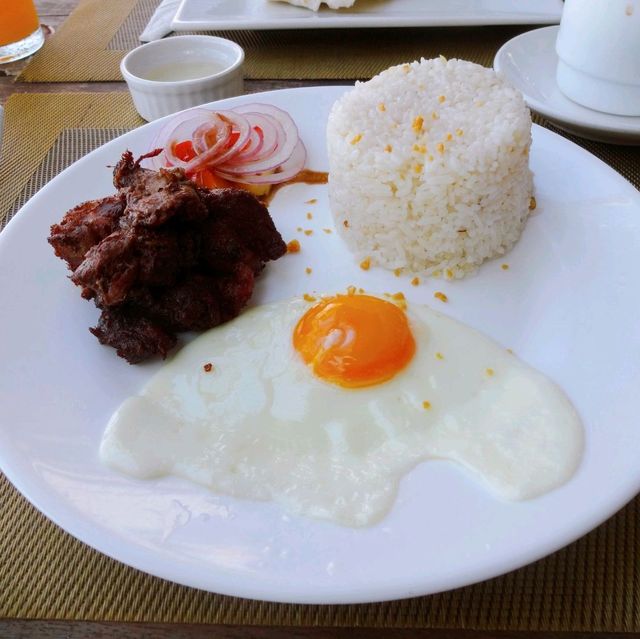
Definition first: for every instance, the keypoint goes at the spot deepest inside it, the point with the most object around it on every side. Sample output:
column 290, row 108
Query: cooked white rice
column 429, row 167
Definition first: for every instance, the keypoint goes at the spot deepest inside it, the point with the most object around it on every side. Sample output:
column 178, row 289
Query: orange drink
column 18, row 19
column 20, row 32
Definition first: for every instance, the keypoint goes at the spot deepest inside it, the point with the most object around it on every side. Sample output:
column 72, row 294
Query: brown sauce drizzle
column 306, row 176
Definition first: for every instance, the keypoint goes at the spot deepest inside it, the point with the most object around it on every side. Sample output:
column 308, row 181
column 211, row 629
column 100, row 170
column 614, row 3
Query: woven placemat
column 90, row 44
column 32, row 152
column 592, row 585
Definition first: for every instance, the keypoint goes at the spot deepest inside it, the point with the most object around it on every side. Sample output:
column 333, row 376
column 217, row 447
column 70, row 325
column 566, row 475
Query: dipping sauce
column 188, row 70
column 306, row 176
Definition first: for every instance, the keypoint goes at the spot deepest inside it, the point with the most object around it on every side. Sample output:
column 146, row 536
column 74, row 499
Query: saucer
column 529, row 62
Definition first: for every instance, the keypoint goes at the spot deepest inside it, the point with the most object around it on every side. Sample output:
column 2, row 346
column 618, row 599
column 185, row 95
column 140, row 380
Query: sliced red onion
column 163, row 134
column 272, row 136
column 267, row 149
column 293, row 165
column 252, row 147
column 287, row 143
column 184, row 131
column 212, row 157
column 270, row 133
column 160, row 141
column 220, row 129
column 199, row 138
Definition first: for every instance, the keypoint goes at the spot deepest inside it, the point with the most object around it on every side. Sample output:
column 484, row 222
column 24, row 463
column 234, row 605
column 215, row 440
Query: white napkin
column 160, row 23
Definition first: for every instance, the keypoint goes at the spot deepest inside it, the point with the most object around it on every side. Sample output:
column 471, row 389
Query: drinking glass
column 20, row 32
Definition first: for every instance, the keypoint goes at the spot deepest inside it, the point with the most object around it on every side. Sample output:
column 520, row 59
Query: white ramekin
column 154, row 99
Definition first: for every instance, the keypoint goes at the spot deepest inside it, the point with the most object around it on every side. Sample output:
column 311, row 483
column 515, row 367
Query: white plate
column 264, row 14
column 568, row 305
column 529, row 63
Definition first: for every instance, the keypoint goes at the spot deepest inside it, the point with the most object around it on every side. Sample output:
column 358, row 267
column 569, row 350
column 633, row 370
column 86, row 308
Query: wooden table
column 52, row 14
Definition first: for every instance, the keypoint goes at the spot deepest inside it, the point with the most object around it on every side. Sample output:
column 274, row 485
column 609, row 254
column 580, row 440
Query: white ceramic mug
column 598, row 50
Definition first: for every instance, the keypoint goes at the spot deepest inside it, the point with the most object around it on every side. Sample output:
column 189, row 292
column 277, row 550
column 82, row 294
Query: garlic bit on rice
column 429, row 167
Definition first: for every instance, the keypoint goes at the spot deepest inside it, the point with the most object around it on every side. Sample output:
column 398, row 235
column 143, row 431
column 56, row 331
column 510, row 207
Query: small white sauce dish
column 177, row 73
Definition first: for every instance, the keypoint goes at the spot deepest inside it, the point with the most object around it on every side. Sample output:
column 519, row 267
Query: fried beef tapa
column 163, row 255
column 85, row 226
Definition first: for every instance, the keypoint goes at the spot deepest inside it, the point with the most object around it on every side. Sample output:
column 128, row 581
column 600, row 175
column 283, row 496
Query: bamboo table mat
column 592, row 585
column 90, row 44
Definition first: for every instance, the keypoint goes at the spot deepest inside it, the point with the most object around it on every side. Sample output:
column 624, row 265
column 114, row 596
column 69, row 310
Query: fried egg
column 324, row 406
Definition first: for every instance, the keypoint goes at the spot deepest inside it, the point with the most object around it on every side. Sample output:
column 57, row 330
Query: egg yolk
column 354, row 340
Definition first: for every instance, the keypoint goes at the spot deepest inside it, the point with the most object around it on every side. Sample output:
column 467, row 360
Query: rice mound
column 429, row 167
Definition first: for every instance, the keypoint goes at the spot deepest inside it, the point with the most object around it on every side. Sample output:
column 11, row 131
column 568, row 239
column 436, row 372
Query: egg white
column 261, row 426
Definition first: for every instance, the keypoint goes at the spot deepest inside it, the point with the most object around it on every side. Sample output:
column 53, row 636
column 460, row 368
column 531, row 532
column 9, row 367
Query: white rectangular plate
column 266, row 14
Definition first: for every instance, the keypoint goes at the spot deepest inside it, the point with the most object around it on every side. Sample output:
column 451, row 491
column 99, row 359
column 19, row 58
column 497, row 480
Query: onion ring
column 212, row 156
column 287, row 170
column 250, row 144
